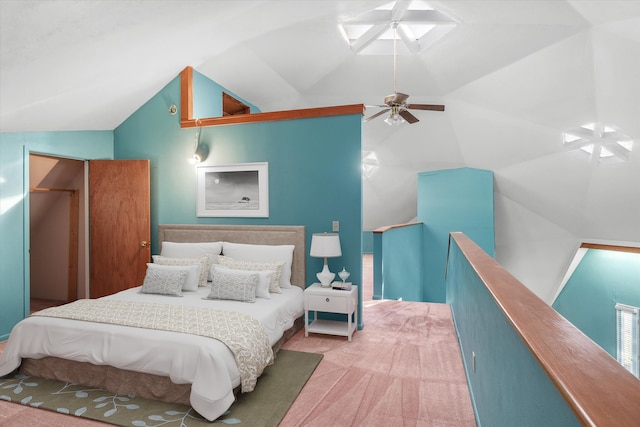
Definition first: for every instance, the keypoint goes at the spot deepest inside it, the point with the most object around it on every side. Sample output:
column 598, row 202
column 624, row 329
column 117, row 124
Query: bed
column 165, row 363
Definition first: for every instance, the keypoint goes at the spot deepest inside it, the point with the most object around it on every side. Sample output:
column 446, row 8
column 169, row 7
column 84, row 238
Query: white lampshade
column 325, row 245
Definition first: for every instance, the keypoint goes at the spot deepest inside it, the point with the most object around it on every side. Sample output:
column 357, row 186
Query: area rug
column 275, row 392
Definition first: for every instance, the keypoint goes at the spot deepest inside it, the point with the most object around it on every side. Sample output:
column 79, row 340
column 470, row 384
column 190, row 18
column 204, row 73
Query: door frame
column 84, row 207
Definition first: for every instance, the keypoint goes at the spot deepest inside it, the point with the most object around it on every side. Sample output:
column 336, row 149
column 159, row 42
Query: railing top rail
column 394, row 226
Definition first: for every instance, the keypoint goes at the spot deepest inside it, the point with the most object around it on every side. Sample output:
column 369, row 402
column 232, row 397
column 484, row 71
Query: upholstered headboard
column 252, row 234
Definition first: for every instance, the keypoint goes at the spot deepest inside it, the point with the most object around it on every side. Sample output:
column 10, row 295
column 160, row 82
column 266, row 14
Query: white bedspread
column 184, row 358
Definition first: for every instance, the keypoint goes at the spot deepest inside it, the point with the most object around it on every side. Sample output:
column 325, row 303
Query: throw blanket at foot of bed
column 243, row 334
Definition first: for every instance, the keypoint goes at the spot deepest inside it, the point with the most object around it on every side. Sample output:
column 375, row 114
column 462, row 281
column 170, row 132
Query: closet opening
column 57, row 224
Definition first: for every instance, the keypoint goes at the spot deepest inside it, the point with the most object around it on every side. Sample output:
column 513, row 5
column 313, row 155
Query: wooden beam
column 186, row 94
column 631, row 249
column 275, row 116
column 188, row 121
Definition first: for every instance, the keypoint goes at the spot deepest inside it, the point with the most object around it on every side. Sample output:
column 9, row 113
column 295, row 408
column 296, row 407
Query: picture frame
column 235, row 190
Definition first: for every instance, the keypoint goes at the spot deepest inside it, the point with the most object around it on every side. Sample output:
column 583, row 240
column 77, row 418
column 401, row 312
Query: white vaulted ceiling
column 513, row 76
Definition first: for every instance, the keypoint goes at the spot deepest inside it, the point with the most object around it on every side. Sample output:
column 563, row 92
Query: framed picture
column 240, row 190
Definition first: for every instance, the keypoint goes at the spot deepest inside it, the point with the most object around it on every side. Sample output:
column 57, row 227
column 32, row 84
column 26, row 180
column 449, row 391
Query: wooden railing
column 392, row 227
column 598, row 390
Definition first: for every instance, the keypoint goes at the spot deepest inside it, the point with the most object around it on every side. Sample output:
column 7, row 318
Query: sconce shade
column 201, row 153
column 325, row 245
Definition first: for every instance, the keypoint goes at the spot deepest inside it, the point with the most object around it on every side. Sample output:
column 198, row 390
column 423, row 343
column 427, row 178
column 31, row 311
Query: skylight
column 419, row 26
column 603, row 143
column 369, row 164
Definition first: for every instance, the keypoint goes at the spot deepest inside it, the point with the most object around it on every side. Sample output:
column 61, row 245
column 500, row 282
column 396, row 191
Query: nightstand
column 317, row 298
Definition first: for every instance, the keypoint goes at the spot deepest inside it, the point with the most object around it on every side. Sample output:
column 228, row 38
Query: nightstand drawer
column 330, row 304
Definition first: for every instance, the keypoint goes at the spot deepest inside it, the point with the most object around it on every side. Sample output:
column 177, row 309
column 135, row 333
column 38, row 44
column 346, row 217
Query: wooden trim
column 595, row 386
column 74, row 220
column 631, row 249
column 186, row 94
column 188, row 121
column 391, row 227
column 275, row 116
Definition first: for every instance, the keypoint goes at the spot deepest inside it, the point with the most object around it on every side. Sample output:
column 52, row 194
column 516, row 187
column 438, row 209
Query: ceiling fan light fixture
column 394, row 119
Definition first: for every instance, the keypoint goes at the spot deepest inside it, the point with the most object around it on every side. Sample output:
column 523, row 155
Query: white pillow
column 203, row 262
column 264, row 277
column 234, row 286
column 263, row 253
column 163, row 282
column 192, row 250
column 238, row 264
column 193, row 273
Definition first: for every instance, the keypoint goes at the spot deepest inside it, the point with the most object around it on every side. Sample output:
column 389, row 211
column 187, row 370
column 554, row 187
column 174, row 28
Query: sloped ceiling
column 513, row 75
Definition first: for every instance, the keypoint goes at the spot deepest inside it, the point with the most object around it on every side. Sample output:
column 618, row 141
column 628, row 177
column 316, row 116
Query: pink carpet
column 403, row 369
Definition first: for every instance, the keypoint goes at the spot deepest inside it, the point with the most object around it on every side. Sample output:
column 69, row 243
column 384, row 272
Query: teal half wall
column 367, row 242
column 314, row 170
column 398, row 264
column 507, row 384
column 602, row 279
column 453, row 200
column 14, row 206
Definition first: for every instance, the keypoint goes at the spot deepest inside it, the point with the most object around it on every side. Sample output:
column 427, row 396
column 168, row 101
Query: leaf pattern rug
column 276, row 390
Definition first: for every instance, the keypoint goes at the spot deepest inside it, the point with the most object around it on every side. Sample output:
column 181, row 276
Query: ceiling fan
column 396, row 103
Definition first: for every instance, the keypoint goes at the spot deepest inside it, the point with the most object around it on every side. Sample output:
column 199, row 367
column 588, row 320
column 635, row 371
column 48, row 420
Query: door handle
column 144, row 244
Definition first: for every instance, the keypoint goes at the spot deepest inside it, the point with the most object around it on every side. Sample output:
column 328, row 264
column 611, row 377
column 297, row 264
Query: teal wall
column 453, row 200
column 601, row 279
column 14, row 206
column 398, row 265
column 314, row 169
column 508, row 387
column 367, row 242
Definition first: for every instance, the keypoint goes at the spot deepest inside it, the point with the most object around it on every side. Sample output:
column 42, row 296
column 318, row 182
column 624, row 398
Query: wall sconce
column 201, row 150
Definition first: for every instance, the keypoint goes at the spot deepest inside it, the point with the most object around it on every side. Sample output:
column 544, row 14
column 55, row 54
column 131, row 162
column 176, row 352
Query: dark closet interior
column 57, row 230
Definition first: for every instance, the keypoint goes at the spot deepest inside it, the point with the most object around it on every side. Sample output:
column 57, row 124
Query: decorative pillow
column 264, row 278
column 192, row 250
column 164, row 282
column 238, row 264
column 193, row 273
column 203, row 261
column 233, row 286
column 263, row 253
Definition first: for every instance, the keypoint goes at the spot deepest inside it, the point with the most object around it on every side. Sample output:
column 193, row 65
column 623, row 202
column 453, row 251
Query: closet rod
column 50, row 189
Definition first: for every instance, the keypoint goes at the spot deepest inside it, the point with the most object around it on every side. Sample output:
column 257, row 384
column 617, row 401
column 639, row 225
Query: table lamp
column 325, row 245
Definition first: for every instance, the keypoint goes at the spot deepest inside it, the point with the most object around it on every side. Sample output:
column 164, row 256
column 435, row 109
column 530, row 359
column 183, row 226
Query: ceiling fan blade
column 396, row 98
column 379, row 113
column 410, row 118
column 400, row 98
column 426, row 107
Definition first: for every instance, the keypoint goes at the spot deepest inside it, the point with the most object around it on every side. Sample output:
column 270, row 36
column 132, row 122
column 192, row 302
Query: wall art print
column 238, row 190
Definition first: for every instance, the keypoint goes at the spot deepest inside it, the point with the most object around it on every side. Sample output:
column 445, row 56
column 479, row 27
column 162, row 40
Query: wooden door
column 120, row 223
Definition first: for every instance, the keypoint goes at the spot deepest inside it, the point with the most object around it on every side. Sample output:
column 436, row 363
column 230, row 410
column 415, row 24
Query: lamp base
column 325, row 277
